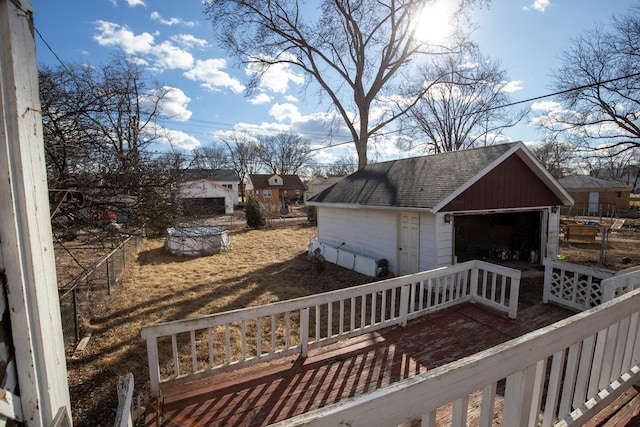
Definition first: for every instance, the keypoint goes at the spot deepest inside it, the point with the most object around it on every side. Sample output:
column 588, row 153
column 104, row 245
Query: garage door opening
column 504, row 236
column 203, row 206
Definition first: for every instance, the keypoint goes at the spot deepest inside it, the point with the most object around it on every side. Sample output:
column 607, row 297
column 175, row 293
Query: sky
column 175, row 42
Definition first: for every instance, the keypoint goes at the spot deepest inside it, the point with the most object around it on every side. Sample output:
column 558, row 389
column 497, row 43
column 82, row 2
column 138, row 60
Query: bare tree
column 460, row 109
column 600, row 83
column 284, row 153
column 353, row 49
column 214, row 156
column 98, row 122
column 557, row 157
column 343, row 166
column 242, row 150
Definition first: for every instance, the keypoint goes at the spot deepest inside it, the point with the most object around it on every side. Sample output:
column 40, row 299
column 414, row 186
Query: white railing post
column 154, row 365
column 405, row 294
column 548, row 274
column 304, row 332
column 474, row 282
column 514, row 295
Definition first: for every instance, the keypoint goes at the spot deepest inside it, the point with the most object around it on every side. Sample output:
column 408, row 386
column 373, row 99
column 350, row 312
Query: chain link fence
column 86, row 296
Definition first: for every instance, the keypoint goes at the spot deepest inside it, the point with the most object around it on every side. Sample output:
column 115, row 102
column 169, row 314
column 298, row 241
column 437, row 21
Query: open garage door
column 505, row 236
column 203, row 206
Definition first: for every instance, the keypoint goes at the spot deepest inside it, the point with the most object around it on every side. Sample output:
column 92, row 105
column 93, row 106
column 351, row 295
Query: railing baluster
column 317, row 323
column 304, row 332
column 227, row 340
column 243, row 340
column 194, row 352
column 488, row 403
column 176, row 362
column 258, row 336
column 341, row 328
column 329, row 320
column 287, row 329
column 273, row 333
column 210, row 346
column 352, row 314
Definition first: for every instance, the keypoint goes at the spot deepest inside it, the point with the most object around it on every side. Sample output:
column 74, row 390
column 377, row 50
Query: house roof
column 428, row 182
column 289, row 182
column 584, row 182
column 209, row 175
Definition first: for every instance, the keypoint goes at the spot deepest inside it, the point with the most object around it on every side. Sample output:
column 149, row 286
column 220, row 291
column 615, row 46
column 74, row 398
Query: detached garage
column 426, row 212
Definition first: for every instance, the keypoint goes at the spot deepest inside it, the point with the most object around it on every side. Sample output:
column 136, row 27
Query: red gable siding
column 512, row 184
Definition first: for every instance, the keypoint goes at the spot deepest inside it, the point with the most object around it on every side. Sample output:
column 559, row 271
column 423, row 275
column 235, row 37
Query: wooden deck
column 268, row 393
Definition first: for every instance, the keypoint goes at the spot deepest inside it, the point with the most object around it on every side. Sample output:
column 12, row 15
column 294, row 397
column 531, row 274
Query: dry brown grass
column 262, row 266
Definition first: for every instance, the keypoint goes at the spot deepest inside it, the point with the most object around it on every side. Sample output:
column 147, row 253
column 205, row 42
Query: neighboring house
column 597, row 195
column 318, row 185
column 208, row 191
column 426, row 212
column 275, row 189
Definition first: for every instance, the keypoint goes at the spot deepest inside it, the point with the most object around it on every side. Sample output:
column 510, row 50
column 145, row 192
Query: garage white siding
column 436, row 241
column 428, row 247
column 367, row 232
column 444, row 238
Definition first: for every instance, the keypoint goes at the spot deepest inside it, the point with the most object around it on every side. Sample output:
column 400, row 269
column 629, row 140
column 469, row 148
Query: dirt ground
column 262, row 266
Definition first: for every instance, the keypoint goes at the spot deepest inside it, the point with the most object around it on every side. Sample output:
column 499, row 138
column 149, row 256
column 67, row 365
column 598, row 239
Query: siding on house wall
column 511, row 184
column 620, row 198
column 367, row 232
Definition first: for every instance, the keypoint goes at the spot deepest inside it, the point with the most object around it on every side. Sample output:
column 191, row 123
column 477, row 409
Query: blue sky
column 176, row 43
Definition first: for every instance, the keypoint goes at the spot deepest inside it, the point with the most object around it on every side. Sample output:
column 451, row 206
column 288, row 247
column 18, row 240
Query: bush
column 254, row 214
column 312, row 215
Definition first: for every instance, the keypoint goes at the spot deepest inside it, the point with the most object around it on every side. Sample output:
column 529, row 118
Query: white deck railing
column 571, row 285
column 559, row 375
column 190, row 348
column 621, row 283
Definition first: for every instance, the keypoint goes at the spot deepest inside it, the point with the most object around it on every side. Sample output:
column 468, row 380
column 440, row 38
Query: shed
column 597, row 196
column 431, row 211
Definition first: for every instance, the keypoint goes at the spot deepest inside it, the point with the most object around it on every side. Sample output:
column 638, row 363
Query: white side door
column 594, row 201
column 408, row 242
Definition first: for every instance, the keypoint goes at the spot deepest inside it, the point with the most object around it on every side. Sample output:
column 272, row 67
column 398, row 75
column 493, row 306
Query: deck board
column 267, row 393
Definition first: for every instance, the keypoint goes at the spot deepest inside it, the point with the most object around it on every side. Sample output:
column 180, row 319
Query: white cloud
column 134, row 3
column 188, row 40
column 261, row 98
column 111, row 34
column 172, row 57
column 171, row 21
column 291, row 98
column 174, row 104
column 547, row 106
column 172, row 137
column 282, row 112
column 277, row 77
column 512, row 86
column 538, row 5
column 210, row 73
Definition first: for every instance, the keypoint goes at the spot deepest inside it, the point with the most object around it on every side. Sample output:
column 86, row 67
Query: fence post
column 108, row 277
column 75, row 314
column 304, row 332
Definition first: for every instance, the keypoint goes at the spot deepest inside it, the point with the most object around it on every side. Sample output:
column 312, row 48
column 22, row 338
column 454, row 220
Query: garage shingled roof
column 418, row 182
